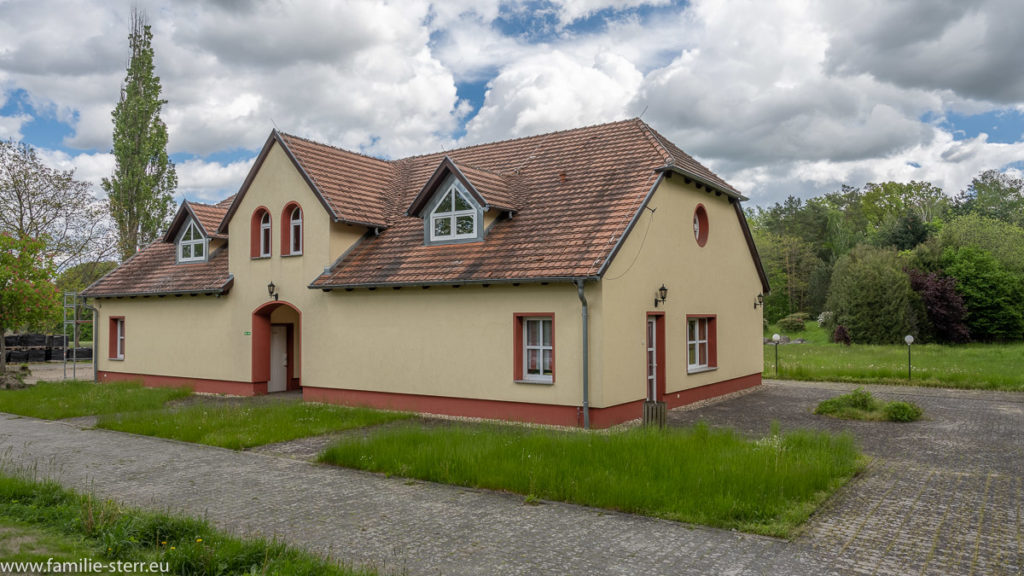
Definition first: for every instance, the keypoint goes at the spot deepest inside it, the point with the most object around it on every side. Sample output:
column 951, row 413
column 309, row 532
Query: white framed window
column 192, row 246
column 454, row 217
column 701, row 346
column 265, row 235
column 295, row 231
column 535, row 349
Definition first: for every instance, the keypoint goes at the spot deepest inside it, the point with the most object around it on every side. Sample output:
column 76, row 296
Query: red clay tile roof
column 577, row 192
column 490, row 189
column 210, row 217
column 567, row 200
column 353, row 186
column 153, row 271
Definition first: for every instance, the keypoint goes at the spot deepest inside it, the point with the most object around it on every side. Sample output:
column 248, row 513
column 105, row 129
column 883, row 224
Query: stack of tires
column 22, row 348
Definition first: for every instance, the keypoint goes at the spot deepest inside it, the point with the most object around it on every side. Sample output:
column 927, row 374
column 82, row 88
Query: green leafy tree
column 27, row 297
column 1004, row 241
column 991, row 293
column 902, row 232
column 140, row 190
column 896, row 199
column 37, row 201
column 870, row 295
column 994, row 194
column 789, row 263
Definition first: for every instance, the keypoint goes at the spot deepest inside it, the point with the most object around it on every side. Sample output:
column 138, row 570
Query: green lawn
column 67, row 526
column 56, row 400
column 701, row 475
column 985, row 366
column 240, row 425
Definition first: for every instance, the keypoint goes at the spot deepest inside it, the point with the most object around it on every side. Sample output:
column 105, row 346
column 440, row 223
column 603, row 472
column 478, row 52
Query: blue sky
column 779, row 97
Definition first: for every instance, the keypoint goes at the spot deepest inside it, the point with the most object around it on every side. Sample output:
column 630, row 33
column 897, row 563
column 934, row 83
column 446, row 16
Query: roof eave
column 702, row 181
column 223, row 289
column 474, row 281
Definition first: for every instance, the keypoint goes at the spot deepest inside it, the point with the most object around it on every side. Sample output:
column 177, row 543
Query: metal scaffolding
column 73, row 304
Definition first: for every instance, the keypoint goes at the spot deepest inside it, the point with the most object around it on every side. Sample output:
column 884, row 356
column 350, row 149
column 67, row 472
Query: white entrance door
column 278, row 359
column 652, row 359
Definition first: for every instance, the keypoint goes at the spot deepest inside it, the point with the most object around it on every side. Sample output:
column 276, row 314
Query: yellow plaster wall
column 719, row 278
column 187, row 336
column 442, row 341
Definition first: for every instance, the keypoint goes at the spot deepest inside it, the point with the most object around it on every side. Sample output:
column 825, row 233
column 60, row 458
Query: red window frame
column 712, row 341
column 286, row 229
column 116, row 338
column 700, row 220
column 518, row 327
column 256, row 236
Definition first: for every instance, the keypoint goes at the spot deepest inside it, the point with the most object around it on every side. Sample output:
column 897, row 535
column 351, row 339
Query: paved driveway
column 943, row 496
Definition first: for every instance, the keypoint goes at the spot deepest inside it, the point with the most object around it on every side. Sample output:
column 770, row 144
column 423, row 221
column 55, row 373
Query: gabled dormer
column 189, row 231
column 452, row 205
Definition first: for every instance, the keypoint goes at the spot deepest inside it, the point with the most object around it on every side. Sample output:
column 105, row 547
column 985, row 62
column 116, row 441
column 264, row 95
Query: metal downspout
column 586, row 356
column 95, row 340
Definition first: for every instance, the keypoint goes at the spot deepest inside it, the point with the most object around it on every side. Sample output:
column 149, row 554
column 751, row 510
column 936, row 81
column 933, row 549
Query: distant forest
column 876, row 263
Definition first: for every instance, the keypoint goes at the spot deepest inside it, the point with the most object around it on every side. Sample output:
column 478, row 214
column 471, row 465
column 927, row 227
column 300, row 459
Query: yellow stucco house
column 563, row 279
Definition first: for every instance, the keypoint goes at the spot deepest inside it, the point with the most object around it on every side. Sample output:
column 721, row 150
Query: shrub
column 943, row 306
column 792, row 323
column 861, row 405
column 840, row 335
column 902, row 411
column 990, row 293
column 870, row 295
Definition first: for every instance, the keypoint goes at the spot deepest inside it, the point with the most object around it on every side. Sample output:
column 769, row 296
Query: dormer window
column 454, row 217
column 192, row 245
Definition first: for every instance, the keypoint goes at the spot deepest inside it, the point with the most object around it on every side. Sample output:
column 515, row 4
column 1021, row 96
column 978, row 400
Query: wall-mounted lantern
column 759, row 301
column 272, row 290
column 659, row 297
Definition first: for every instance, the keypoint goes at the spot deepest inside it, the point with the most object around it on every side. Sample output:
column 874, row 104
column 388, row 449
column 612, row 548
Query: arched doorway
column 276, row 348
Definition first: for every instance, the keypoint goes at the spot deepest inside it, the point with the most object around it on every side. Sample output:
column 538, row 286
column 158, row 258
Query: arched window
column 265, row 235
column 259, row 238
column 291, row 231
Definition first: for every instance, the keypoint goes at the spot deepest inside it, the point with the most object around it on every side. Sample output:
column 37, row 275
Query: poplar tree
column 140, row 190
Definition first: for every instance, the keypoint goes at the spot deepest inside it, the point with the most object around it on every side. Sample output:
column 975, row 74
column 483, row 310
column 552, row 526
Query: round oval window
column 700, row 225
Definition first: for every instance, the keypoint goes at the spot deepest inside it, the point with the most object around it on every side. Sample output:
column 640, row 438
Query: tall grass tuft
column 244, row 425
column 56, row 400
column 700, row 475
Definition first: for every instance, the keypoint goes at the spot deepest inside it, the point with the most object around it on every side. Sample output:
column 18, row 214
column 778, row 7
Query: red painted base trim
column 197, row 384
column 473, row 408
column 519, row 411
column 691, row 395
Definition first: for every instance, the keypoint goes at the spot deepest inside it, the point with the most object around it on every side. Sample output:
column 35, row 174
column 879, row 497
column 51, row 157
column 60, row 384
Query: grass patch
column 85, row 527
column 700, row 475
column 246, row 424
column 861, row 405
column 968, row 366
column 56, row 400
column 24, row 542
